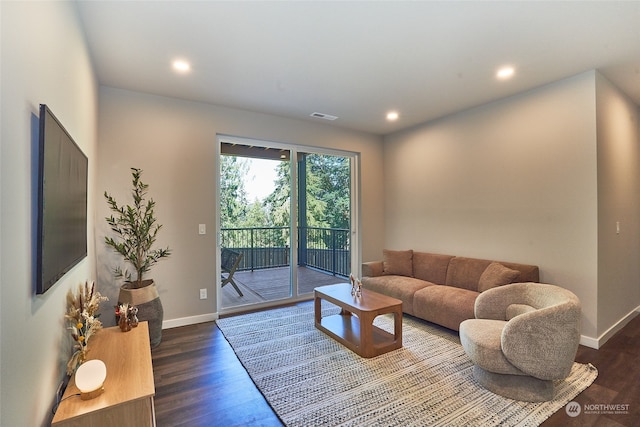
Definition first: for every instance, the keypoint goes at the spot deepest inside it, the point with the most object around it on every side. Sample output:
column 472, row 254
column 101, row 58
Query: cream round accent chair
column 525, row 336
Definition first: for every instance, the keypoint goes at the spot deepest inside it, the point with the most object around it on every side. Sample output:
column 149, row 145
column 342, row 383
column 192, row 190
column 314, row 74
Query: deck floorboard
column 272, row 284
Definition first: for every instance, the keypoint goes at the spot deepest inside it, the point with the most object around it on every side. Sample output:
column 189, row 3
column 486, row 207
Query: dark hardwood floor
column 618, row 382
column 200, row 382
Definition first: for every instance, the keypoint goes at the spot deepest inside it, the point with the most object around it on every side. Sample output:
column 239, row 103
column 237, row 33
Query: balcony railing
column 326, row 249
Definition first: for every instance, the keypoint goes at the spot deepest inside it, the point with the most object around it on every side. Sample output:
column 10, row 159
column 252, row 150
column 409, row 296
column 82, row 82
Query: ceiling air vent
column 323, row 116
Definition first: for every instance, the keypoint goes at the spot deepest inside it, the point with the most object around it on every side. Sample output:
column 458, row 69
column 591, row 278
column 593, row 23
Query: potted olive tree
column 136, row 230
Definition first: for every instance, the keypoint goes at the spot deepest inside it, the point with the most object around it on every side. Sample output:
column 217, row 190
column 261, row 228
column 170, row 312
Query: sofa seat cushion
column 400, row 287
column 482, row 341
column 444, row 305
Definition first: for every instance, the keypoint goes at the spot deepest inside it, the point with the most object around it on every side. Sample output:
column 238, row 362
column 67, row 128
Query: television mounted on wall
column 62, row 202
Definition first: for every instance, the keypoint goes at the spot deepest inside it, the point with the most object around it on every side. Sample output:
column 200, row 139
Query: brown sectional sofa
column 440, row 288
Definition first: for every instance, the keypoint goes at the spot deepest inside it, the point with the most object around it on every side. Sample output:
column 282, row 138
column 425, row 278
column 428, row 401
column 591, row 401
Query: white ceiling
column 357, row 60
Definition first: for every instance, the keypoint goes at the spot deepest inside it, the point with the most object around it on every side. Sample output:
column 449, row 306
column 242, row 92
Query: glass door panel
column 255, row 195
column 324, row 220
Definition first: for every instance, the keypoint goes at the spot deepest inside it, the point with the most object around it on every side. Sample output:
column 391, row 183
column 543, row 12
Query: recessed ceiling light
column 181, row 66
column 392, row 116
column 505, row 73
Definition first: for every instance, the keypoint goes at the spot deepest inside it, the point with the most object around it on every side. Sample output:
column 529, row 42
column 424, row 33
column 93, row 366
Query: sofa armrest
column 372, row 269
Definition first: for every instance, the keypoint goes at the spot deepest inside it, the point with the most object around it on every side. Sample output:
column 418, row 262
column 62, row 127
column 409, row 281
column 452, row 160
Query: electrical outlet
column 203, row 293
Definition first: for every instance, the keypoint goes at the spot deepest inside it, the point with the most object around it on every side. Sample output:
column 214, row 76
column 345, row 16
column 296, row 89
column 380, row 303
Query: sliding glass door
column 324, row 219
column 285, row 222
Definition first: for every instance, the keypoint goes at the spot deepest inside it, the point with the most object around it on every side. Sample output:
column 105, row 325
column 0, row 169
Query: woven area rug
column 311, row 380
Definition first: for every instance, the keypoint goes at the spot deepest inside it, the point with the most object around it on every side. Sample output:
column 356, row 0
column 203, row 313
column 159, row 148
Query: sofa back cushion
column 465, row 272
column 431, row 267
column 398, row 263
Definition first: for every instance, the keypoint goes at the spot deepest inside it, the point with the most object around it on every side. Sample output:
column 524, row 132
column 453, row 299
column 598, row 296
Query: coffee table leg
column 317, row 309
column 397, row 327
column 366, row 334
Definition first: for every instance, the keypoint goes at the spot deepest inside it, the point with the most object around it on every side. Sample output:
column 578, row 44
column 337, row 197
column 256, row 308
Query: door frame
column 356, row 240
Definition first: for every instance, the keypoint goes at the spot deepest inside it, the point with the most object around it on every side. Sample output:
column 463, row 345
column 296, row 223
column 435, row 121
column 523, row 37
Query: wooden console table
column 128, row 388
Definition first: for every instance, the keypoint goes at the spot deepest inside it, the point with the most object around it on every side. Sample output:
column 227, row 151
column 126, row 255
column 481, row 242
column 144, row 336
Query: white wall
column 174, row 142
column 44, row 60
column 514, row 180
column 618, row 201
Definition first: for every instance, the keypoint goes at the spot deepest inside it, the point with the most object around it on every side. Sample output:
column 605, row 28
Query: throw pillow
column 495, row 275
column 398, row 263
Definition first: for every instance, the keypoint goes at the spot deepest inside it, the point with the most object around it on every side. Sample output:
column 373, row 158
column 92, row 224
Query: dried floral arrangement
column 82, row 314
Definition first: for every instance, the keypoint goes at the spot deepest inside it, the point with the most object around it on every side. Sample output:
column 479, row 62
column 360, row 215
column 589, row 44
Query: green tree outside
column 328, row 183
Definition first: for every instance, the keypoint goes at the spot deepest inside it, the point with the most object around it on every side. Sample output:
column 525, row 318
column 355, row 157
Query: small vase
column 124, row 324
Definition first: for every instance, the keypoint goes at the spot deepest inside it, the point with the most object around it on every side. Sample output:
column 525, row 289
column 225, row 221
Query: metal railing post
column 333, row 250
column 252, row 251
column 323, row 255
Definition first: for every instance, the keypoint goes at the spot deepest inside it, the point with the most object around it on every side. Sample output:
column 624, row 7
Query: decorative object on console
column 126, row 316
column 90, row 378
column 133, row 316
column 82, row 314
column 122, row 314
column 137, row 231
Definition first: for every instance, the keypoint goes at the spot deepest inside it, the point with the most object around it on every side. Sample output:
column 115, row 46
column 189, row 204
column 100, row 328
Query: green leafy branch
column 136, row 230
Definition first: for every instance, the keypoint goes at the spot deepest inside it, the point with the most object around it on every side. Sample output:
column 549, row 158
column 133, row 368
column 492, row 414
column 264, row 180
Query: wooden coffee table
column 358, row 333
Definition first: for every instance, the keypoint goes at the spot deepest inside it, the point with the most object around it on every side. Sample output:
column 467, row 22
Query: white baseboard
column 589, row 342
column 602, row 339
column 191, row 320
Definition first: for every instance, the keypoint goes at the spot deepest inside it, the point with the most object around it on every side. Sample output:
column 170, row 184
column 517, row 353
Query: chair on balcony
column 229, row 264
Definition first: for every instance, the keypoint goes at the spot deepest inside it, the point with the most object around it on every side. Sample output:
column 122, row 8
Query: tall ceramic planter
column 147, row 299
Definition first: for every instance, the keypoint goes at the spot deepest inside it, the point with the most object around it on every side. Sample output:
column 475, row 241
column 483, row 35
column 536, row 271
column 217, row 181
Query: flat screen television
column 62, row 202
